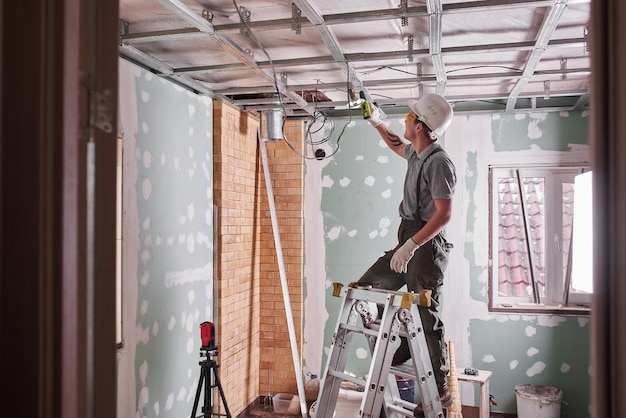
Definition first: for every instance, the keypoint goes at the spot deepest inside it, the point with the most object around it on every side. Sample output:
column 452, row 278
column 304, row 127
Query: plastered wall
column 351, row 203
column 167, row 243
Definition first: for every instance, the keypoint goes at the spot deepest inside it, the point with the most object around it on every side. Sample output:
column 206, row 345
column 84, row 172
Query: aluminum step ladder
column 400, row 318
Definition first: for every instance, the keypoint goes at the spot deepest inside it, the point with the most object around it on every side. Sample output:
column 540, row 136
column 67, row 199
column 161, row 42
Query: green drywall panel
column 174, row 167
column 524, row 131
column 526, row 349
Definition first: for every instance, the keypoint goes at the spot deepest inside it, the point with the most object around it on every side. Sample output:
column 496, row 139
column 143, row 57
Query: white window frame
column 554, row 298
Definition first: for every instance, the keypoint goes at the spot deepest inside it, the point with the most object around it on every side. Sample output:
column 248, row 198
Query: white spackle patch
column 327, row 182
column 190, row 173
column 189, row 323
column 155, row 329
column 489, row 358
column 144, row 307
column 382, row 143
column 565, row 368
column 156, row 408
column 386, row 194
column 389, row 179
column 334, row 233
column 145, row 96
column 531, row 331
column 191, row 244
column 182, row 220
column 171, row 324
column 169, row 402
column 358, row 158
column 143, row 335
column 373, row 234
column 190, row 212
column 533, row 130
column 513, row 364
column 143, row 398
column 191, row 110
column 208, row 217
column 176, row 162
column 181, row 394
column 502, row 318
column 146, row 224
column 148, row 241
column 145, row 256
column 344, row 182
column 550, row 321
column 145, row 128
column 191, row 295
column 369, row 181
column 189, row 345
column 361, row 353
column 143, row 372
column 159, row 240
column 536, row 369
column 520, row 116
column 146, row 188
column 175, row 278
column 352, row 233
column 162, row 159
column 531, row 351
column 190, row 131
column 582, row 322
column 147, row 159
column 145, row 277
column 383, row 159
column 170, row 240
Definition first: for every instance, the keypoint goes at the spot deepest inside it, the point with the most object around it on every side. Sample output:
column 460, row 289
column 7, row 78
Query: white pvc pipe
column 283, row 281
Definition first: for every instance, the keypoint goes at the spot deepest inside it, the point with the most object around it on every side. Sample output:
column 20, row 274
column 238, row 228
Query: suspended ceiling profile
column 305, row 55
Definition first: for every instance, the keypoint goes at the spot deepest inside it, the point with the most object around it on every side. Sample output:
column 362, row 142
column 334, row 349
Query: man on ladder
column 420, row 258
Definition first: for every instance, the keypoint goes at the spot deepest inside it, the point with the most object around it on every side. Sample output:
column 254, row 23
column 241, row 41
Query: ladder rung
column 347, row 377
column 366, row 331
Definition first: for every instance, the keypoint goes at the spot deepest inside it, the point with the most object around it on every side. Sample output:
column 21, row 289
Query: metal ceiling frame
column 290, row 96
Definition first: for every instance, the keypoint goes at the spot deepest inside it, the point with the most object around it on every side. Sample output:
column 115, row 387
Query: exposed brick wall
column 252, row 327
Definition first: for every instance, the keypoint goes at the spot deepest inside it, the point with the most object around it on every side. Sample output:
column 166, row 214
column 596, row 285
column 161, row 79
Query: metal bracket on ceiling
column 244, row 19
column 207, row 15
column 124, row 29
column 409, row 47
column 404, row 5
column 296, row 19
column 546, row 89
column 563, row 68
column 420, row 86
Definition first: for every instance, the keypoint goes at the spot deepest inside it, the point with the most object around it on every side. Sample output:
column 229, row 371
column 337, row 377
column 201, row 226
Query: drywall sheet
column 167, row 243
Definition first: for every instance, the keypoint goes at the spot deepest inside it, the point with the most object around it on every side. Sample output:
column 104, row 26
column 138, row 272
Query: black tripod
column 207, row 365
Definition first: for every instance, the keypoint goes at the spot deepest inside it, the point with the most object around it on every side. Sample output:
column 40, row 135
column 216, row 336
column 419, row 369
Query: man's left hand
column 403, row 255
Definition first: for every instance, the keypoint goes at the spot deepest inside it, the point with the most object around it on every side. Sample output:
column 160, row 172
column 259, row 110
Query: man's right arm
column 393, row 141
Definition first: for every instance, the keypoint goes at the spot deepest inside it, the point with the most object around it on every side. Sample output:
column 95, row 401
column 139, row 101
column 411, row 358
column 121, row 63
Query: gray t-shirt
column 438, row 181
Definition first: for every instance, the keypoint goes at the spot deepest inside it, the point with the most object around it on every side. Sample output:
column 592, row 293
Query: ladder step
column 343, row 376
column 361, row 330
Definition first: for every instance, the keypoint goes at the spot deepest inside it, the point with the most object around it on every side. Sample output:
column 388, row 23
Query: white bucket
column 538, row 401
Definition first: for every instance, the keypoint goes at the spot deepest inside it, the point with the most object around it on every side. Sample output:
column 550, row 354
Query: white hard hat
column 434, row 111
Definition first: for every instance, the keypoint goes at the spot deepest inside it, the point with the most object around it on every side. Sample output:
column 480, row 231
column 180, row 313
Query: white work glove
column 403, row 255
column 374, row 119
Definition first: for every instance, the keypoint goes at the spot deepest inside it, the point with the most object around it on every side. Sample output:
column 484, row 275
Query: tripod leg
column 195, row 403
column 219, row 386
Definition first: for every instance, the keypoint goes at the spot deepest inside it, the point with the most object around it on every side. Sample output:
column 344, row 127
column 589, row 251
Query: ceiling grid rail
column 204, row 25
column 434, row 34
column 543, row 38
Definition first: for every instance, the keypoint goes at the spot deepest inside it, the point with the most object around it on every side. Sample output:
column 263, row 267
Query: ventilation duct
column 272, row 122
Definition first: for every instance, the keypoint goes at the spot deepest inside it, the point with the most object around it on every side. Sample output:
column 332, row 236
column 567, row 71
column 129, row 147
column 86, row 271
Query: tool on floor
column 209, row 378
column 400, row 318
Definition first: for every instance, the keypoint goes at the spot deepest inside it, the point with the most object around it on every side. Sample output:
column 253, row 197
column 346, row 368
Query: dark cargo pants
column 425, row 271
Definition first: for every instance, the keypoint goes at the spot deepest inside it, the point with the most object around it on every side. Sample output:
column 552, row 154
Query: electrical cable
column 316, row 114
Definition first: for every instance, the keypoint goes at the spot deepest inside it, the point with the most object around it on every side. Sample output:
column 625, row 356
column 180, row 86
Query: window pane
column 514, row 263
column 582, row 261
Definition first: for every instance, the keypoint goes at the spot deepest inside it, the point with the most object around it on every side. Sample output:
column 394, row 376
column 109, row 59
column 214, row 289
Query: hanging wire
column 317, row 115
